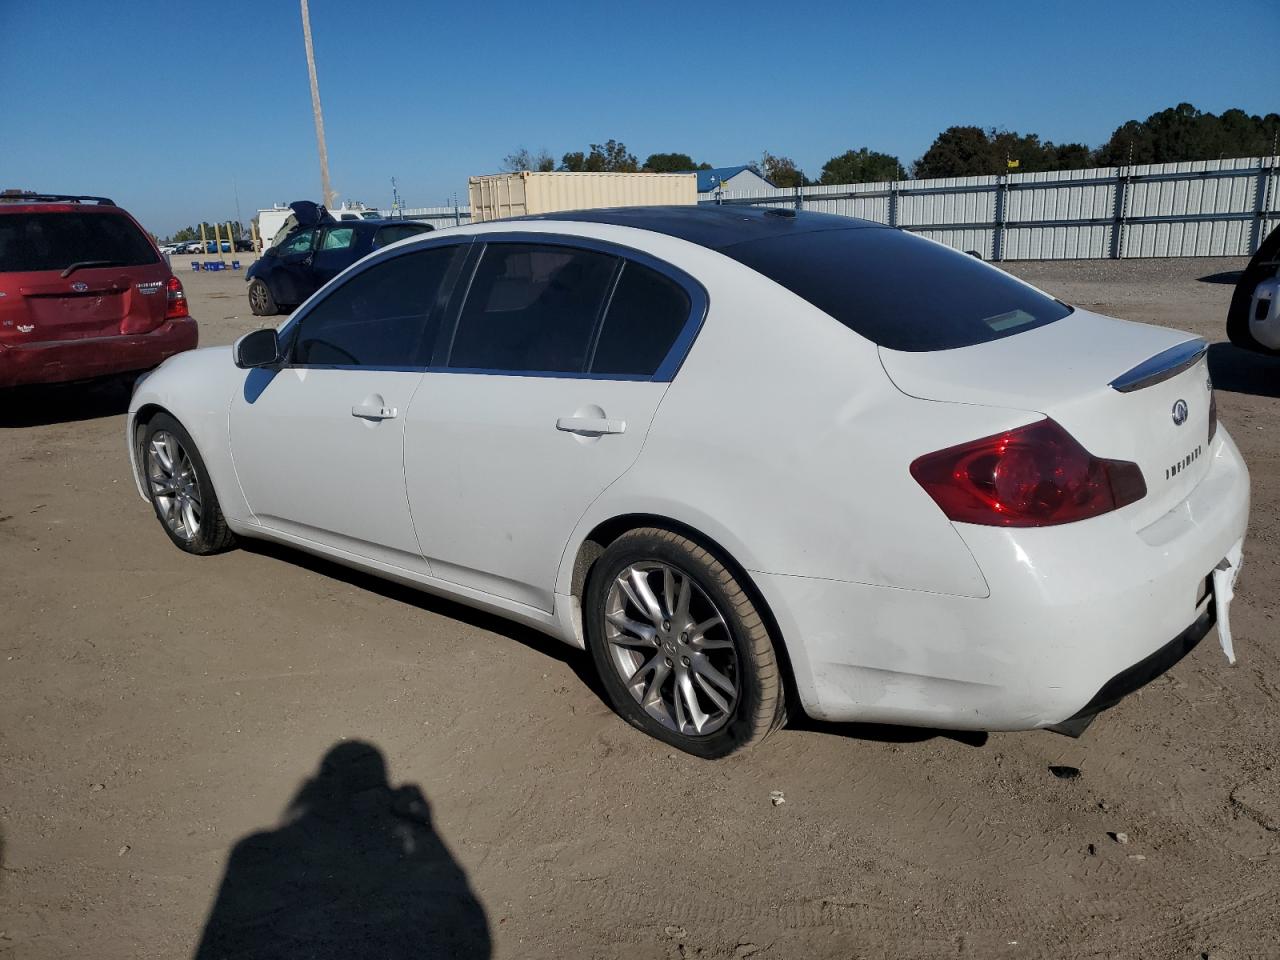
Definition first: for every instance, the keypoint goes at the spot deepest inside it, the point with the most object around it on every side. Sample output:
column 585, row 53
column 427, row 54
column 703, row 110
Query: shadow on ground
column 1242, row 371
column 355, row 869
column 1226, row 276
column 39, row 406
column 577, row 660
column 886, row 733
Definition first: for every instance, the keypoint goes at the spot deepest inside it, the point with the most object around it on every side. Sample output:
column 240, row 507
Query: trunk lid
column 72, row 273
column 1120, row 388
column 101, row 302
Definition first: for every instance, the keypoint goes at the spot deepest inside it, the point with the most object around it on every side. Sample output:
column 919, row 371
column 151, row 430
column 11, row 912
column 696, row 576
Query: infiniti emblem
column 79, row 286
column 1180, row 412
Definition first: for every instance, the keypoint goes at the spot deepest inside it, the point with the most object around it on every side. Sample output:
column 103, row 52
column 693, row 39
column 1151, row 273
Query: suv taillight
column 176, row 300
column 1034, row 476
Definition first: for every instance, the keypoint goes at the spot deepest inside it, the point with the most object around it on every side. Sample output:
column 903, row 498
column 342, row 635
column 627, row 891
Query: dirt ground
column 160, row 711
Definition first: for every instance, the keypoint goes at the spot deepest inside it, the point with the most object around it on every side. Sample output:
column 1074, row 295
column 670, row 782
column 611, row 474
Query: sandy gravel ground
column 163, row 721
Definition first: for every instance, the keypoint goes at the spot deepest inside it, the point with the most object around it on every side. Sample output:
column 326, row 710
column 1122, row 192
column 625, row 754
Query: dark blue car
column 311, row 249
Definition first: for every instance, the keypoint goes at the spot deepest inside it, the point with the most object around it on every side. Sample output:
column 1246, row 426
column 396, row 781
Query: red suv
column 83, row 292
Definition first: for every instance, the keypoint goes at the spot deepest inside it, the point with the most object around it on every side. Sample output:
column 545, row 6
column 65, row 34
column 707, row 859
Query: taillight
column 176, row 300
column 1034, row 476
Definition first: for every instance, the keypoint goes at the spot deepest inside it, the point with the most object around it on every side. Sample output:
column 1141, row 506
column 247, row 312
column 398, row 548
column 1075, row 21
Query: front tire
column 180, row 490
column 261, row 302
column 680, row 647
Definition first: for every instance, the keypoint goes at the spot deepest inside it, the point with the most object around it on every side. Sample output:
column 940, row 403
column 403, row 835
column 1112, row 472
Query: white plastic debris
column 776, row 798
column 1224, row 583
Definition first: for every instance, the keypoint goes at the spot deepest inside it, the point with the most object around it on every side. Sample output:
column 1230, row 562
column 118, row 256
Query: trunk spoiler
column 1163, row 366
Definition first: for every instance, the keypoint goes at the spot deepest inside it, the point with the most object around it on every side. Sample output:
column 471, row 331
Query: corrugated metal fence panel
column 1198, row 208
column 981, row 241
column 957, row 201
column 438, row 217
column 868, row 200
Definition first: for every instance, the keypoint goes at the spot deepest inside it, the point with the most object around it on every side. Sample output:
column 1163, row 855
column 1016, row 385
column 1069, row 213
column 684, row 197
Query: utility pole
column 315, row 107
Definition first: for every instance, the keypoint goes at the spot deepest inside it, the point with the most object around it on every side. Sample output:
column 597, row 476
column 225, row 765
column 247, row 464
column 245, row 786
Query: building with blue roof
column 738, row 179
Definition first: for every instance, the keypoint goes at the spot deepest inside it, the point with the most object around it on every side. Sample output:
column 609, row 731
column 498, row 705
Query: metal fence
column 1202, row 208
column 1205, row 208
column 438, row 217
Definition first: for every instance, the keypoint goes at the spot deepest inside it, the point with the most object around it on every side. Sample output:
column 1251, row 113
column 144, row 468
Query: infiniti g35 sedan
column 756, row 462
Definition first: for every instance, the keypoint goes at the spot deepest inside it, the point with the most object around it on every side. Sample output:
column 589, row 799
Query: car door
column 335, row 251
column 290, row 282
column 318, row 442
column 541, row 397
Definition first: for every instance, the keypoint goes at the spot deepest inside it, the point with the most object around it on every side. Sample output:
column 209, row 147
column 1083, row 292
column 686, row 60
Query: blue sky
column 172, row 108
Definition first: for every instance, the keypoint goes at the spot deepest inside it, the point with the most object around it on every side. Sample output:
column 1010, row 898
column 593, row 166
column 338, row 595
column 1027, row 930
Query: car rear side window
column 389, row 235
column 338, row 238
column 900, row 291
column 532, row 308
column 384, row 316
column 54, row 241
column 645, row 315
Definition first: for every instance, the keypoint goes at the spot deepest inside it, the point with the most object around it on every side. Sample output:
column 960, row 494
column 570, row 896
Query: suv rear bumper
column 58, row 361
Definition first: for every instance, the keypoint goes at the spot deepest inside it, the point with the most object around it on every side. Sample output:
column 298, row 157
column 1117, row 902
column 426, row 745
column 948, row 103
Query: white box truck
column 528, row 192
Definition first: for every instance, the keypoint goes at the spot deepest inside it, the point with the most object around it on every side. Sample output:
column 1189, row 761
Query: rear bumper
column 58, row 361
column 1078, row 616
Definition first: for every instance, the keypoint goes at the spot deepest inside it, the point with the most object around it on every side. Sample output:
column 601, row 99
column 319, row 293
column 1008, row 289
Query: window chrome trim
column 1163, row 366
column 699, row 304
column 289, row 330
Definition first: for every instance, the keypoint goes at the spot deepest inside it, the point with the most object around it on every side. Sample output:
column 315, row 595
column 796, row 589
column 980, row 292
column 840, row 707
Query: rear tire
column 680, row 647
column 261, row 302
column 178, row 485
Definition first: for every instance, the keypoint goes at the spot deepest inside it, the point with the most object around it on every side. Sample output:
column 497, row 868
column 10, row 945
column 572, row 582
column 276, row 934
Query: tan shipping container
column 529, row 192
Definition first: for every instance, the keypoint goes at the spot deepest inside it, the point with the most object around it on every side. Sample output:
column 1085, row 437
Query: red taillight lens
column 176, row 300
column 1034, row 476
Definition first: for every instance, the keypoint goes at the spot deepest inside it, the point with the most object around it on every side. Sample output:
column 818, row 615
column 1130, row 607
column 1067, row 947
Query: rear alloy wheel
column 179, row 488
column 681, row 648
column 261, row 302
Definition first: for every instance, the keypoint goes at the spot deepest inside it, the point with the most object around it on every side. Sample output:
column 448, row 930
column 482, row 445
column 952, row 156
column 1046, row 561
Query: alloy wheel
column 672, row 648
column 174, row 485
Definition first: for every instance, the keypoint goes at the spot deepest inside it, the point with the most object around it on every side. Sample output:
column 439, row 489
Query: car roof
column 713, row 225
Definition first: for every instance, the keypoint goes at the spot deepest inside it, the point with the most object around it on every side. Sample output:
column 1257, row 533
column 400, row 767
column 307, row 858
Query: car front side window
column 387, row 315
column 298, row 244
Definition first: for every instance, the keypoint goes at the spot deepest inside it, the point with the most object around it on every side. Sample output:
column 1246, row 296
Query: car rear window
column 54, row 241
column 900, row 291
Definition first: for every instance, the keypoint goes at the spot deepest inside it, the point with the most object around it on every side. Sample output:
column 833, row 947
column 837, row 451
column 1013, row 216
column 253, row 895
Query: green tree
column 610, row 157
column 522, row 159
column 861, row 166
column 780, row 171
column 957, row 152
column 1186, row 133
column 671, row 163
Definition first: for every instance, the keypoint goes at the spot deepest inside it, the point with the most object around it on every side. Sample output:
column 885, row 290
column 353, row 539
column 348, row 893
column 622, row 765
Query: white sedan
column 754, row 461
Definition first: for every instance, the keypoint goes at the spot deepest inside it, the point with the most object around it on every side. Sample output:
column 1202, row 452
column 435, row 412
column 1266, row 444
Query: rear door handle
column 591, row 426
column 371, row 411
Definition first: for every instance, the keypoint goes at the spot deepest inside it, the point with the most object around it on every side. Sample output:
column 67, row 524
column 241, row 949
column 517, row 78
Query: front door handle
column 373, row 411
column 591, row 426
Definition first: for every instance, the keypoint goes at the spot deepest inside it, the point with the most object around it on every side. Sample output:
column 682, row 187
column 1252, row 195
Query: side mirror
column 258, row 349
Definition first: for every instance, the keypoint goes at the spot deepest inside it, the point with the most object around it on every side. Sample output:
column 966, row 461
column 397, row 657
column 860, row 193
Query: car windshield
column 54, row 241
column 900, row 291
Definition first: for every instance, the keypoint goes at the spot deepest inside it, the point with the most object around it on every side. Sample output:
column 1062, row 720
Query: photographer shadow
column 354, row 870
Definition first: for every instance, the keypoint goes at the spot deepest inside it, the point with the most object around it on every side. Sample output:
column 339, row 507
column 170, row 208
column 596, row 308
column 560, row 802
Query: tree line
column 1175, row 134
